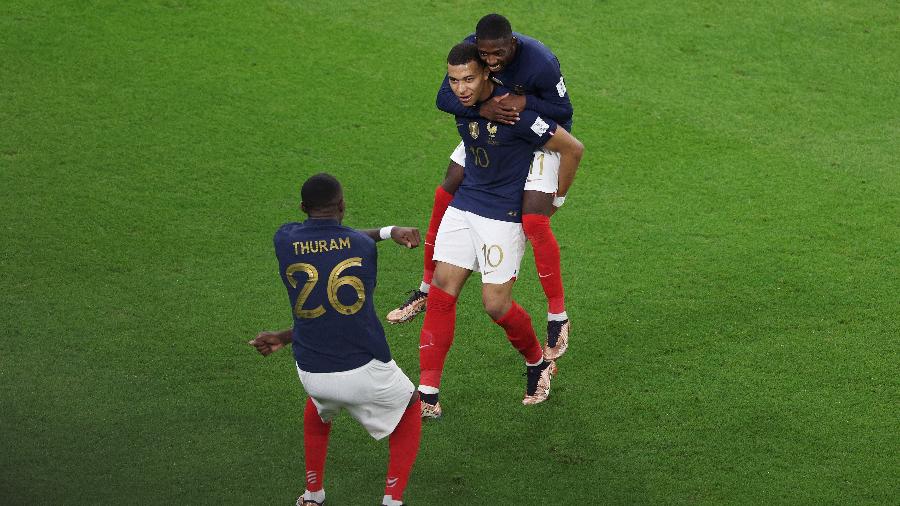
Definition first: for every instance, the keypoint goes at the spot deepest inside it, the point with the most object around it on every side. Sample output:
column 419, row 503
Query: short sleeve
column 535, row 128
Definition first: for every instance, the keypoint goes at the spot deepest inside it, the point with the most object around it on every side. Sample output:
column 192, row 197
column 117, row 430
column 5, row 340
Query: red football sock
column 315, row 443
column 436, row 336
column 404, row 445
column 442, row 200
column 546, row 258
column 520, row 333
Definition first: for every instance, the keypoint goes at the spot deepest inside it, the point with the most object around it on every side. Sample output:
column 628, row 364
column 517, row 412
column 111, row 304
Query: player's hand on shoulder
column 406, row 236
column 267, row 342
column 500, row 110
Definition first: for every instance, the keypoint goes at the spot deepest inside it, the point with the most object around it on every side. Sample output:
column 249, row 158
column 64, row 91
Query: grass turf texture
column 730, row 248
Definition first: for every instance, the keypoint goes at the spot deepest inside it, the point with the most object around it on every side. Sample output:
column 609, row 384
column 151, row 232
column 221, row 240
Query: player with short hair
column 532, row 72
column 341, row 353
column 482, row 227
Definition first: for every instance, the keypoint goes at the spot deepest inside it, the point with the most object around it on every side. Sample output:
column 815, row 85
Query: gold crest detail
column 492, row 132
column 473, row 129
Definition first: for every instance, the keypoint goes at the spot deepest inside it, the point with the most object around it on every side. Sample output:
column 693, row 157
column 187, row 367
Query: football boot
column 557, row 339
column 537, row 388
column 414, row 305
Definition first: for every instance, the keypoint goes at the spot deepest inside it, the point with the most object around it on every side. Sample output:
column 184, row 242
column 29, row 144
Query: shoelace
column 413, row 295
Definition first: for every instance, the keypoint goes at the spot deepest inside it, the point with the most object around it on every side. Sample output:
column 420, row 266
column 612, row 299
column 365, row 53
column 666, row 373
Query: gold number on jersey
column 541, row 158
column 335, row 281
column 488, row 253
column 312, row 277
column 480, row 156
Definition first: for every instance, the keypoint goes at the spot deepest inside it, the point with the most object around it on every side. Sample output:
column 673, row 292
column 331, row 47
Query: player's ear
column 303, row 208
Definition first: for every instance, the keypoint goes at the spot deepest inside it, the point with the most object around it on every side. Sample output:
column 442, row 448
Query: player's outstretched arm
column 268, row 342
column 570, row 152
column 404, row 236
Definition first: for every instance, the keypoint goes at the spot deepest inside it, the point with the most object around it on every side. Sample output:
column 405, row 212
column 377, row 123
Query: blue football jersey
column 498, row 158
column 329, row 271
column 534, row 72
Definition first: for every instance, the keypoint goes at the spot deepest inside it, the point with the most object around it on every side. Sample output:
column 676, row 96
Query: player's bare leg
column 437, row 333
column 537, row 207
column 443, row 194
column 515, row 321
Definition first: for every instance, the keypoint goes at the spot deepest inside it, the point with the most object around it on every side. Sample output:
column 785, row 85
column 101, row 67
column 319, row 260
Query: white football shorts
column 459, row 154
column 492, row 247
column 376, row 394
column 543, row 176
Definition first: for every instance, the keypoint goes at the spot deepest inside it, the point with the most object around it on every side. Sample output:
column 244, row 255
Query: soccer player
column 528, row 68
column 339, row 346
column 482, row 227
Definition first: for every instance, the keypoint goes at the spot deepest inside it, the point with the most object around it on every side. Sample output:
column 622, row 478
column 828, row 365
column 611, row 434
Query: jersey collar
column 320, row 222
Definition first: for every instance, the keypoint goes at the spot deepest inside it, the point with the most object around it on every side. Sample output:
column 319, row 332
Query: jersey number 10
column 335, row 281
column 480, row 156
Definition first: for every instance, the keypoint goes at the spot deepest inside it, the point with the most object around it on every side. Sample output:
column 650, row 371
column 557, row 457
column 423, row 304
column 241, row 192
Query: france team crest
column 492, row 133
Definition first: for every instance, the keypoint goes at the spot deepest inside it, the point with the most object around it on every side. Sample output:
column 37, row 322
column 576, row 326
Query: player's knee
column 496, row 307
column 536, row 203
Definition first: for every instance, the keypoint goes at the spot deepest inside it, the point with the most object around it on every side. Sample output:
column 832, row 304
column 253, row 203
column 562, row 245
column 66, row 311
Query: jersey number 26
column 335, row 281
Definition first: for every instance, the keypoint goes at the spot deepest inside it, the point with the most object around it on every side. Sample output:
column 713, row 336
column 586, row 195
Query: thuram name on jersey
column 320, row 246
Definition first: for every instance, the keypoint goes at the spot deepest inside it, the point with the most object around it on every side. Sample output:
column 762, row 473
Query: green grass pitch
column 731, row 251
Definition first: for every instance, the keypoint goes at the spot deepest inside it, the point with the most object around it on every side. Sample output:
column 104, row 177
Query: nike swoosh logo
column 392, row 481
column 425, row 346
column 544, row 275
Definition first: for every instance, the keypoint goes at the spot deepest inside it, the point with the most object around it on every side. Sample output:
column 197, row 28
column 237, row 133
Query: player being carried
column 341, row 353
column 531, row 71
column 482, row 227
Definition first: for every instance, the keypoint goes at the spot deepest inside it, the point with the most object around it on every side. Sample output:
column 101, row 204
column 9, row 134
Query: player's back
column 329, row 271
